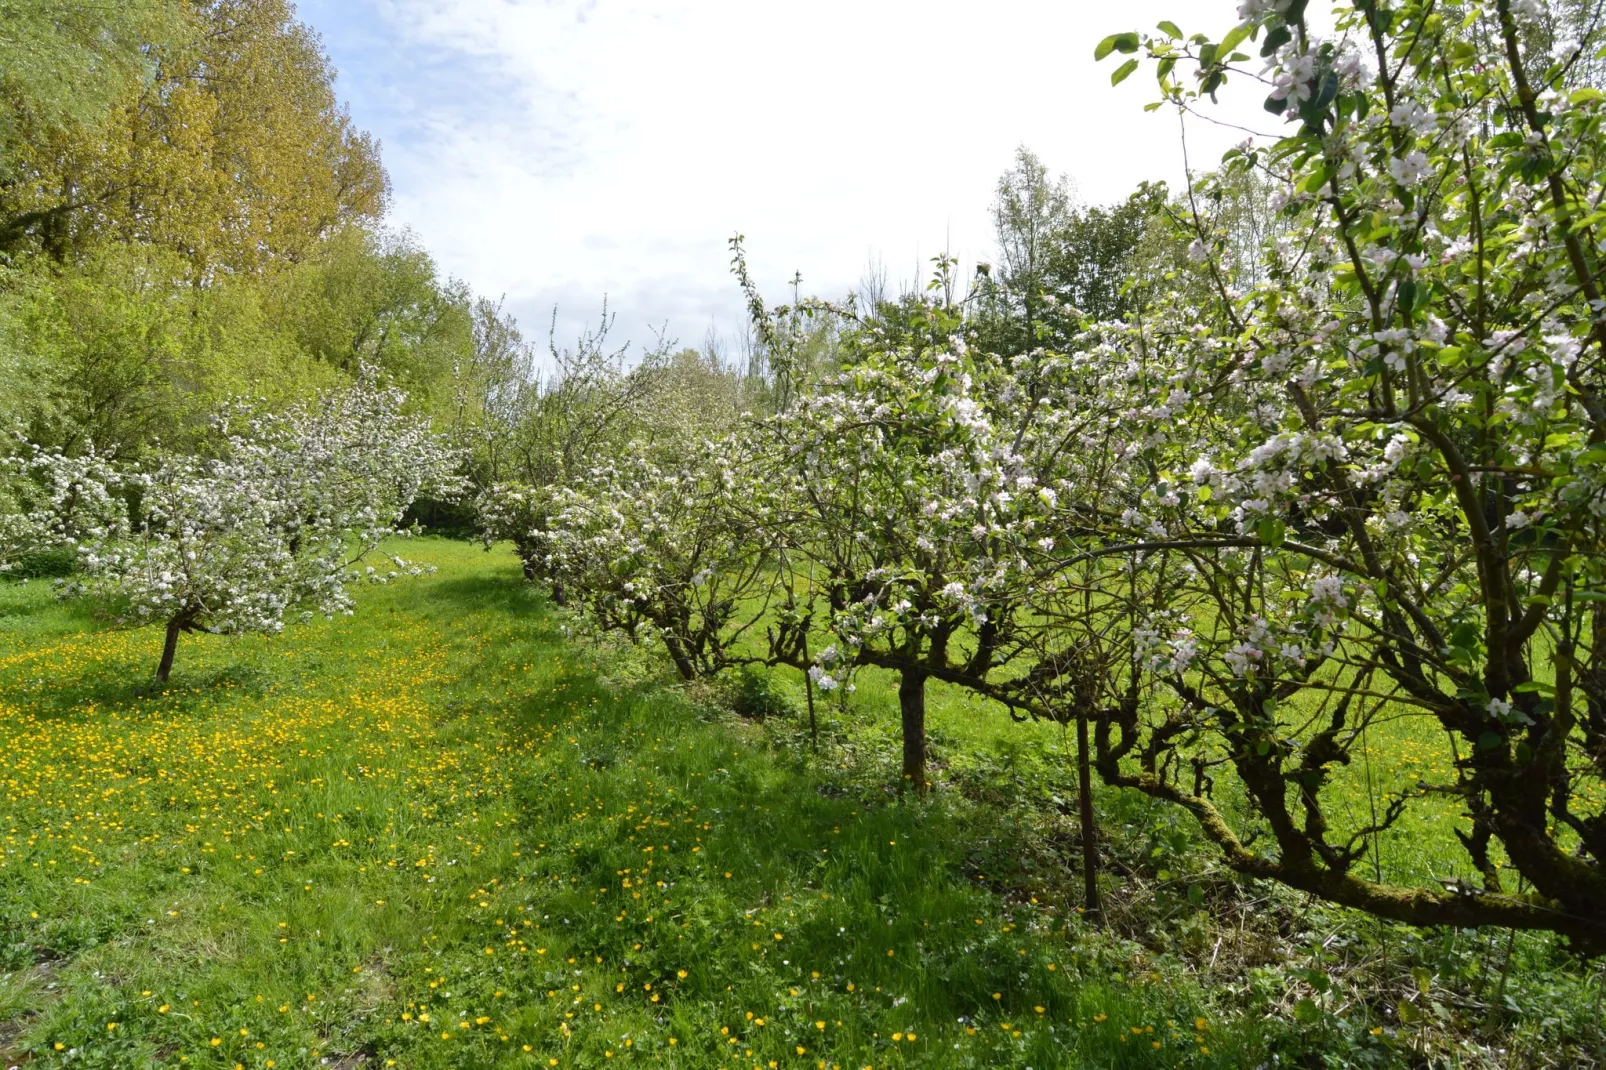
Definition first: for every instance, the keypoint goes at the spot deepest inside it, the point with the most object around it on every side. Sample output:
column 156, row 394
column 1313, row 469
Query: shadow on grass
column 32, row 618
column 858, row 876
column 132, row 687
column 479, row 594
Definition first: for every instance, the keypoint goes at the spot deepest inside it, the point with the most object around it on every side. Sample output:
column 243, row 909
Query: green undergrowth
column 1329, row 986
column 446, row 833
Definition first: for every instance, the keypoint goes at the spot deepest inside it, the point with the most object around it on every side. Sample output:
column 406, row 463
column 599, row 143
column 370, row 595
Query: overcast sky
column 555, row 152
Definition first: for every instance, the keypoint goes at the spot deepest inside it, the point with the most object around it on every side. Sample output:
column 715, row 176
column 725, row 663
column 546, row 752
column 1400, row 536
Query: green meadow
column 446, row 833
column 439, row 834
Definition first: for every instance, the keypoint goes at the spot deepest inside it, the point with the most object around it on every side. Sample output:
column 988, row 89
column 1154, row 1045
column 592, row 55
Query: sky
column 557, row 153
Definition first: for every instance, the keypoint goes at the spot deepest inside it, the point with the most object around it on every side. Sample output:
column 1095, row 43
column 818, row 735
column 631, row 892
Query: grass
column 443, row 834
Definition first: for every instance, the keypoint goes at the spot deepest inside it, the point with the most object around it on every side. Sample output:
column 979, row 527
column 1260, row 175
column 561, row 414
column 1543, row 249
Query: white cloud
column 555, row 152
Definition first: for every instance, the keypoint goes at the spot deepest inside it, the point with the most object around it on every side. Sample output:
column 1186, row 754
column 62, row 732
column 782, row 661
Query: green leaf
column 1580, row 96
column 1317, row 179
column 1169, row 28
column 1275, row 39
column 1234, row 38
column 1407, row 294
column 1329, row 91
column 1123, row 71
column 1126, row 43
column 1271, row 531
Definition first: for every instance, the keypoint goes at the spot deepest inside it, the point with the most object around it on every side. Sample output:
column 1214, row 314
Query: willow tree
column 223, row 140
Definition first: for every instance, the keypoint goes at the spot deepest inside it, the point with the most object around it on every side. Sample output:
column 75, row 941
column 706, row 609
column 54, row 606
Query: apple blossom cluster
column 518, row 513
column 49, row 500
column 912, row 501
column 205, row 550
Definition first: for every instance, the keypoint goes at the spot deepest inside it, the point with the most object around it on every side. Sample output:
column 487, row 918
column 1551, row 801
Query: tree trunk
column 1090, row 847
column 814, row 725
column 169, row 649
column 912, row 704
column 808, row 690
column 677, row 654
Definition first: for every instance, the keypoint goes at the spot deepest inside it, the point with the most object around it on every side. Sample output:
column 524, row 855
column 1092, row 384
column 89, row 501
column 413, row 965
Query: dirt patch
column 27, row 993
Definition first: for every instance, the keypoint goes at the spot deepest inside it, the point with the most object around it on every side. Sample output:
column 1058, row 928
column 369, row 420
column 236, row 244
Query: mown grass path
column 434, row 835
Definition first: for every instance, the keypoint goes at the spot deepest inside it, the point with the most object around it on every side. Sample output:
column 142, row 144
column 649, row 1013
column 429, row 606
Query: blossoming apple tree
column 1379, row 493
column 275, row 519
column 911, row 505
column 679, row 551
column 1353, row 483
column 49, row 500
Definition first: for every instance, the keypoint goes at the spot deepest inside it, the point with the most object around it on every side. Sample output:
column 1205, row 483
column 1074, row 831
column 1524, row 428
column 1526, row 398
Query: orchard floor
column 440, row 833
column 435, row 835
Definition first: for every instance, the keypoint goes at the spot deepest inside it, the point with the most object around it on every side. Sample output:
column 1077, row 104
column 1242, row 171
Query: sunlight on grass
column 433, row 835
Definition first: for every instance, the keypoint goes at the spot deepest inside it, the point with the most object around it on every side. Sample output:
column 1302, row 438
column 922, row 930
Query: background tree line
column 187, row 213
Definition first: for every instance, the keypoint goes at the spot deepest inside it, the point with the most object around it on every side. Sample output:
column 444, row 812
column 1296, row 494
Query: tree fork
column 1461, row 906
